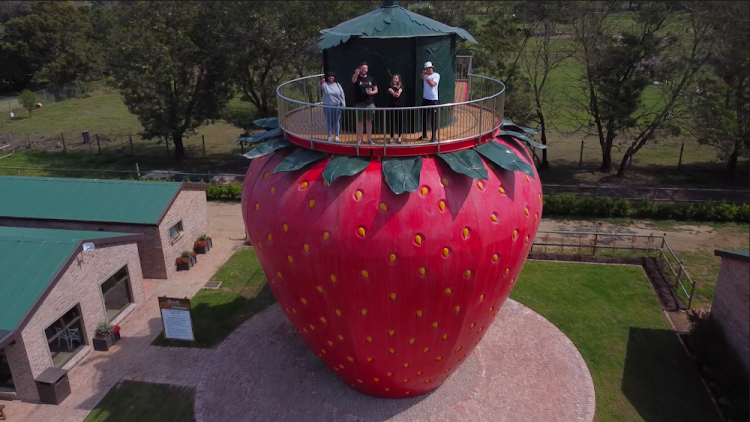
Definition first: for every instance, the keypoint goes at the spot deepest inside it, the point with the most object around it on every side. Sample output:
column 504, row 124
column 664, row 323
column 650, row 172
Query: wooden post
column 596, row 240
column 98, row 145
column 679, row 163
column 29, row 138
column 203, row 138
column 65, row 149
column 242, row 147
column 596, row 195
column 138, row 170
column 580, row 160
column 132, row 150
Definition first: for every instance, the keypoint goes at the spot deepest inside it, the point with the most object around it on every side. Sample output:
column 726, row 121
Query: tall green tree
column 720, row 103
column 49, row 46
column 172, row 66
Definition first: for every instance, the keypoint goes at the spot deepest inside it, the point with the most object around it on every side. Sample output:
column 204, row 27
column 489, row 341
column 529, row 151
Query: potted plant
column 104, row 337
column 184, row 262
column 193, row 258
column 203, row 244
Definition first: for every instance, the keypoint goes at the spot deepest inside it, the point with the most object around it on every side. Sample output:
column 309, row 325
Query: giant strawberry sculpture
column 393, row 273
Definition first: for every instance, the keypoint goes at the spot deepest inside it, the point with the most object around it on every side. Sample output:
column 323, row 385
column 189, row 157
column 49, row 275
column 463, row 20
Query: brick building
column 731, row 304
column 53, row 294
column 170, row 215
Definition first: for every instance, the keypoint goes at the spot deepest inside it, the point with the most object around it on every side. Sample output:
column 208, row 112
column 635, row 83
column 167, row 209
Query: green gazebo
column 393, row 40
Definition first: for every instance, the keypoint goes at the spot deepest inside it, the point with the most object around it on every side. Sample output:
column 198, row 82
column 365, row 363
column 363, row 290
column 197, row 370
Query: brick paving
column 524, row 369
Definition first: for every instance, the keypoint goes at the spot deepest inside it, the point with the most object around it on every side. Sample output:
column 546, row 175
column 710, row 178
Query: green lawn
column 639, row 368
column 216, row 313
column 144, row 402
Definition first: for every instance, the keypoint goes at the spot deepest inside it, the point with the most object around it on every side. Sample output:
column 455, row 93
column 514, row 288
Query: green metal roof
column 743, row 256
column 387, row 22
column 31, row 259
column 115, row 201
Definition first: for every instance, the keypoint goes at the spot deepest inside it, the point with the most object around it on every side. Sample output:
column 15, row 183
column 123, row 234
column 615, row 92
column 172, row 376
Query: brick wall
column 731, row 306
column 80, row 284
column 191, row 208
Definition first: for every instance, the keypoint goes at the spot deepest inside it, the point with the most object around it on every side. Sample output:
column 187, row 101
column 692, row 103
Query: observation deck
column 472, row 117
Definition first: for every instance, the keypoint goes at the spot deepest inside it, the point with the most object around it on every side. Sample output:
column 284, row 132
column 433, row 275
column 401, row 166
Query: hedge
column 566, row 205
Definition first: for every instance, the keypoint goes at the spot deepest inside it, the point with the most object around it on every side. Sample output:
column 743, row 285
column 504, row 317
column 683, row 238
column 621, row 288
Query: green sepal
column 466, row 162
column 344, row 165
column 299, row 158
column 402, row 173
column 260, row 136
column 504, row 157
column 522, row 137
column 512, row 127
column 268, row 123
column 267, row 147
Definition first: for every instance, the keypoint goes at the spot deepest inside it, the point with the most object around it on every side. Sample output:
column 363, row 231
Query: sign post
column 177, row 319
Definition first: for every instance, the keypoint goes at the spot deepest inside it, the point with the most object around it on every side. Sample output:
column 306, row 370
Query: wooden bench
column 2, row 413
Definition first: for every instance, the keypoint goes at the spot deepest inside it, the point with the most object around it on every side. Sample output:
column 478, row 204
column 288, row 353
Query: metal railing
column 614, row 244
column 653, row 194
column 302, row 114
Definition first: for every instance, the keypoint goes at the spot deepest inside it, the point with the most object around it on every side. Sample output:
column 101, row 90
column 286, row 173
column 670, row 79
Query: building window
column 116, row 292
column 175, row 231
column 65, row 336
column 6, row 378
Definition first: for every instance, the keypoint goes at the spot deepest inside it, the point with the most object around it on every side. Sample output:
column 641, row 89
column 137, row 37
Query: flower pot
column 103, row 343
column 193, row 261
column 116, row 336
column 184, row 265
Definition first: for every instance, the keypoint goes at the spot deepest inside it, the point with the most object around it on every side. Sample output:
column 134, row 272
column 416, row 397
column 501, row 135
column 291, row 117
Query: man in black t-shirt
column 365, row 90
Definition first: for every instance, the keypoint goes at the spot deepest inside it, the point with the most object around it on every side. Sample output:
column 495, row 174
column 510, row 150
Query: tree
column 540, row 59
column 48, row 46
column 720, row 104
column 172, row 66
column 28, row 100
column 688, row 53
column 618, row 65
column 272, row 43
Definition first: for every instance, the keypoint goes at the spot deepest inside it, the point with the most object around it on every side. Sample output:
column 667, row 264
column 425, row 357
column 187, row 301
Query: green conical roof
column 387, row 22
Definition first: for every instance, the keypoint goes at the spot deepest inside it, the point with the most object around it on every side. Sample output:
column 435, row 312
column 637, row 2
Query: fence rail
column 591, row 243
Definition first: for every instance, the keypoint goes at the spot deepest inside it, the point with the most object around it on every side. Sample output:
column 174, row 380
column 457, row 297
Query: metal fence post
column 98, row 145
column 166, row 142
column 596, row 241
column 132, row 150
column 65, row 149
column 679, row 162
column 596, row 195
column 203, row 138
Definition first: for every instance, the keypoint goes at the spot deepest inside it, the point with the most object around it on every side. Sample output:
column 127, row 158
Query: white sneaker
column 391, row 140
column 337, row 139
column 369, row 141
column 399, row 139
column 329, row 139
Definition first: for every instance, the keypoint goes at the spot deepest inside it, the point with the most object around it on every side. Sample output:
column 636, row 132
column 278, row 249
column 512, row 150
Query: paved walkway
column 525, row 369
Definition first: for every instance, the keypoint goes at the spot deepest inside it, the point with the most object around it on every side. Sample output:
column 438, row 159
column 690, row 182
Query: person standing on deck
column 396, row 100
column 429, row 98
column 365, row 90
column 333, row 95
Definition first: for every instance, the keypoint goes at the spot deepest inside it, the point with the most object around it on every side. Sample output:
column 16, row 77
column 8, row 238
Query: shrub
column 103, row 329
column 27, row 100
column 567, row 204
column 743, row 213
column 646, row 209
column 233, row 190
column 214, row 192
column 605, row 207
column 725, row 212
column 623, row 208
column 587, row 206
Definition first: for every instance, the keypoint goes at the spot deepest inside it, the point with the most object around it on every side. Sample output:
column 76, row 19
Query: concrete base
column 524, row 369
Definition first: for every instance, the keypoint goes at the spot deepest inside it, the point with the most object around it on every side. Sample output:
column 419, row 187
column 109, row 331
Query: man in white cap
column 429, row 97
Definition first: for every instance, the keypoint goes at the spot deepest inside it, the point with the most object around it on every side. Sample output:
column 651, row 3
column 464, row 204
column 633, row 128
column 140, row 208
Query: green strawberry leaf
column 504, row 157
column 267, row 147
column 268, row 123
column 402, row 173
column 510, row 126
column 260, row 136
column 344, row 165
column 522, row 137
column 467, row 162
column 299, row 158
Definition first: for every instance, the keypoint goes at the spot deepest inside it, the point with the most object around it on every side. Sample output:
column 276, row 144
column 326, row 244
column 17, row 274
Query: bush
column 726, row 212
column 588, row 206
column 605, row 207
column 214, row 192
column 743, row 213
column 623, row 208
column 28, row 100
column 233, row 190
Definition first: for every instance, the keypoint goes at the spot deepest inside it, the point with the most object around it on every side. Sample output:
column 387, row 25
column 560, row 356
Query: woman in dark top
column 395, row 99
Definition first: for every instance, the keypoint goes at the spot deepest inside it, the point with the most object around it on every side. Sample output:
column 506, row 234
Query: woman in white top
column 333, row 96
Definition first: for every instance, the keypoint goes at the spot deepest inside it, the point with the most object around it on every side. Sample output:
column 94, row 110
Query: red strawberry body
column 391, row 291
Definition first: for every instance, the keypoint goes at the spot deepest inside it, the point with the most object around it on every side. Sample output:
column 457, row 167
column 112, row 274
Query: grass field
column 216, row 313
column 639, row 368
column 145, row 402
